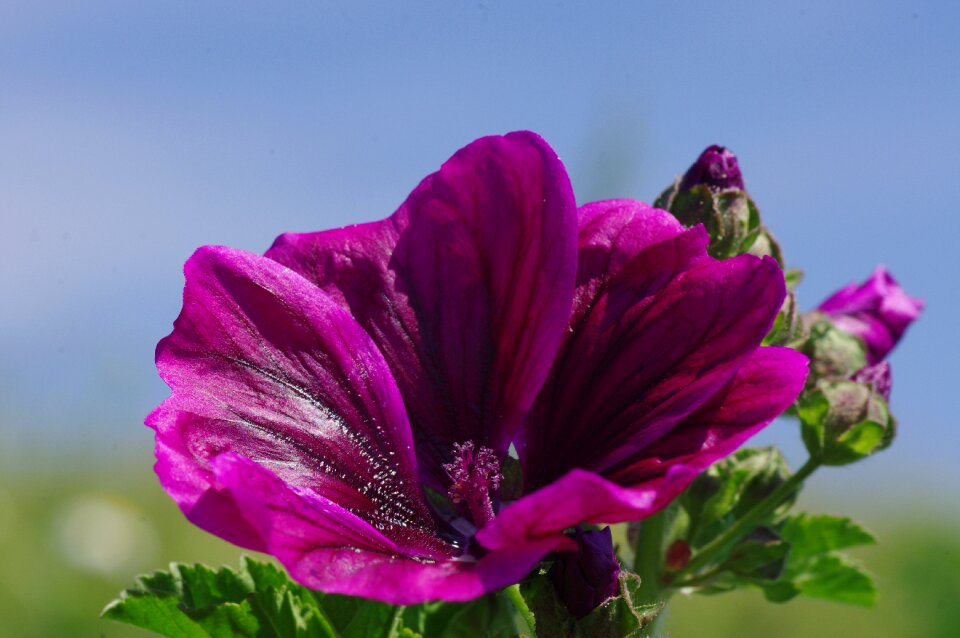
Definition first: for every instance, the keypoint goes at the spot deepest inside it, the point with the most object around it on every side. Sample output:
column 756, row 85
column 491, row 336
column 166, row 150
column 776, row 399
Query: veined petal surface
column 263, row 364
column 328, row 548
column 761, row 390
column 657, row 330
column 466, row 289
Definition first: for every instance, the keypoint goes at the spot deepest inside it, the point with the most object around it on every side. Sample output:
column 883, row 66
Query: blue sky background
column 131, row 133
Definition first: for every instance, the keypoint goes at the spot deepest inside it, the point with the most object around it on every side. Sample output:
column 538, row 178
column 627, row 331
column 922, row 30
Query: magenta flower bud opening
column 346, row 401
column 716, row 168
column 878, row 311
column 876, row 376
column 589, row 575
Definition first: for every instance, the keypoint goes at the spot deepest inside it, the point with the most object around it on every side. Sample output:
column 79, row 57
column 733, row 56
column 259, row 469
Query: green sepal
column 812, row 409
column 787, row 329
column 762, row 555
column 621, row 616
column 792, row 277
column 844, row 421
column 833, row 353
column 730, row 488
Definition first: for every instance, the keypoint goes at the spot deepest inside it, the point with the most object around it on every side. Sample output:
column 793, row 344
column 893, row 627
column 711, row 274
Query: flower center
column 474, row 475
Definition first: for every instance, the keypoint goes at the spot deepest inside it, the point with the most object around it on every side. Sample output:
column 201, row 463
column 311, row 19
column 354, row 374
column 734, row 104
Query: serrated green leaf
column 837, row 578
column 814, row 569
column 357, row 617
column 160, row 615
column 489, row 615
column 258, row 601
column 812, row 535
column 780, row 592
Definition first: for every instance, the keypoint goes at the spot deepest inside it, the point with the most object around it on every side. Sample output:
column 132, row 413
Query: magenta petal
column 579, row 497
column 466, row 289
column 613, row 232
column 762, row 389
column 766, row 385
column 878, row 311
column 262, row 363
column 655, row 342
column 328, row 548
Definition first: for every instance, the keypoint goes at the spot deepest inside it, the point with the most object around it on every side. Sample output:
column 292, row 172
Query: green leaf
column 553, row 618
column 815, row 569
column 257, row 601
column 837, row 578
column 490, row 615
column 357, row 617
column 810, row 535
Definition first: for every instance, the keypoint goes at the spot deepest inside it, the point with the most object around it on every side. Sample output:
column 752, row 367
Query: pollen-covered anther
column 473, row 476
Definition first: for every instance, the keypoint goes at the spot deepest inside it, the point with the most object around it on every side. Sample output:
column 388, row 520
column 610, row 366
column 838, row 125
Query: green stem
column 698, row 579
column 397, row 623
column 520, row 603
column 750, row 520
column 648, row 560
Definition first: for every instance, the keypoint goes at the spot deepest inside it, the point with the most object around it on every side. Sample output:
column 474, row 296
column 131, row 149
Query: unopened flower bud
column 833, row 353
column 678, row 555
column 586, row 577
column 716, row 168
column 761, row 554
column 844, row 421
column 878, row 377
column 712, row 193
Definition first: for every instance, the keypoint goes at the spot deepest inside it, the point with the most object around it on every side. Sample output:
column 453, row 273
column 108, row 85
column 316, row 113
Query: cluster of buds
column 847, row 338
column 844, row 413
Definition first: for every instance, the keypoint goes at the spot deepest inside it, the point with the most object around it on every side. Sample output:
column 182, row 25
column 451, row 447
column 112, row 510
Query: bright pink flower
column 878, row 311
column 319, row 391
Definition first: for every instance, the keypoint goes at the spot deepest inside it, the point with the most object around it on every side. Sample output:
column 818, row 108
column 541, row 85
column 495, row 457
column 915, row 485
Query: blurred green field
column 71, row 537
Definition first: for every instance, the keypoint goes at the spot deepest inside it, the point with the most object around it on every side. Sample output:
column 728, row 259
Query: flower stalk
column 751, row 519
column 520, row 604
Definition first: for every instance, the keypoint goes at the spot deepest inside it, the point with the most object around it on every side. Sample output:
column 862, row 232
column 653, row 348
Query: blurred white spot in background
column 104, row 535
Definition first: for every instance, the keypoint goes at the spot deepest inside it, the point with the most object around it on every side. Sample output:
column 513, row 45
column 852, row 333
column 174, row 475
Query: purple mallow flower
column 346, row 402
column 878, row 311
column 716, row 168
